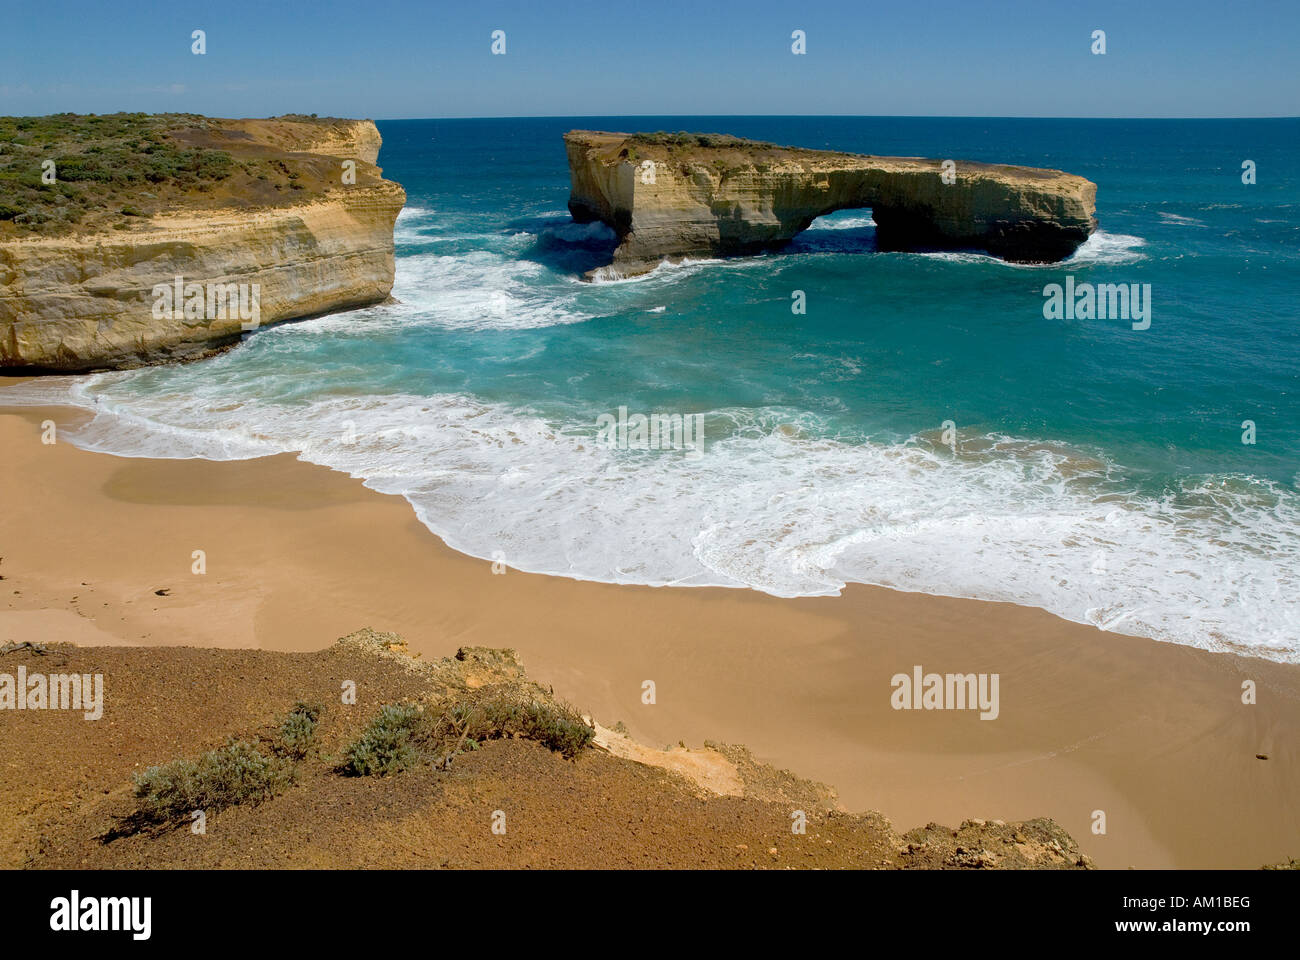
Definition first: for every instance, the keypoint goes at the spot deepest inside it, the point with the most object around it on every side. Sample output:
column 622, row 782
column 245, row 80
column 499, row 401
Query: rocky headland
column 98, row 213
column 673, row 196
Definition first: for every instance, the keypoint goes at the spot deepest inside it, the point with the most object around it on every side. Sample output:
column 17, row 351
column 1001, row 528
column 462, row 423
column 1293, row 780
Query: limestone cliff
column 677, row 195
column 285, row 220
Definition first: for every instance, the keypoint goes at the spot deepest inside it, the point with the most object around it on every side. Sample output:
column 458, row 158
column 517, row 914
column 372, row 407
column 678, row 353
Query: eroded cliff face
column 671, row 196
column 89, row 300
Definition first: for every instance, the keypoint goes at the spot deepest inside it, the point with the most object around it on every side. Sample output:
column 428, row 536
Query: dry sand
column 1154, row 735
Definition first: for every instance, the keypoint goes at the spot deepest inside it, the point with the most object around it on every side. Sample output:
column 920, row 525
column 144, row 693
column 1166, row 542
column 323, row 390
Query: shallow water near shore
column 1097, row 471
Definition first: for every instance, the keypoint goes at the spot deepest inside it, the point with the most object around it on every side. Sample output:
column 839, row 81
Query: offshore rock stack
column 671, row 196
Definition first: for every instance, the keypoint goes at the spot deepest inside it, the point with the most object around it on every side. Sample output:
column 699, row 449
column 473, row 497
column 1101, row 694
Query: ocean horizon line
column 827, row 116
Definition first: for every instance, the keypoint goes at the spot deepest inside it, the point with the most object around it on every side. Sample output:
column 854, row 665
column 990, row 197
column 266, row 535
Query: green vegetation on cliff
column 114, row 170
column 100, row 163
column 401, row 735
column 684, row 139
column 237, row 773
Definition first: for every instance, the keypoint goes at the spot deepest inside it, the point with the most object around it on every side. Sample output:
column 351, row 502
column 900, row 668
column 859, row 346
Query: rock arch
column 669, row 196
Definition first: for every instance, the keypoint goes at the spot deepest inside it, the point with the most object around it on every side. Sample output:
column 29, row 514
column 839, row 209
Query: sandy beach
column 96, row 549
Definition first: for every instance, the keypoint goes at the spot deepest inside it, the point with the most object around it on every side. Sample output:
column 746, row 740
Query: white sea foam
column 773, row 506
column 482, row 290
column 1107, row 248
column 409, row 213
column 842, row 223
column 411, row 224
column 1101, row 249
column 1177, row 220
column 676, row 269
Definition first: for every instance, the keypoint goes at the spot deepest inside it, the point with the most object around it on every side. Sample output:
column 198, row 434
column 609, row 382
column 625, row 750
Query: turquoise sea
column 1095, row 470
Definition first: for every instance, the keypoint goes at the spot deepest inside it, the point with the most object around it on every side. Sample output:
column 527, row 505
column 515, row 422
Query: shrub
column 297, row 733
column 389, row 744
column 556, row 726
column 233, row 774
column 107, row 158
column 684, row 139
column 404, row 735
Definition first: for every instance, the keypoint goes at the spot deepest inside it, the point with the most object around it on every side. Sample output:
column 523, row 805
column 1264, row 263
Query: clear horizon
column 409, row 60
column 810, row 116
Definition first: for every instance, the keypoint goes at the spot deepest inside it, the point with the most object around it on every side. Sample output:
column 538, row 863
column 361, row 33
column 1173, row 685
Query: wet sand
column 1154, row 735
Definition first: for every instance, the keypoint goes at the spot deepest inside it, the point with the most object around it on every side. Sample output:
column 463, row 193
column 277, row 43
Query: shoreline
column 1152, row 733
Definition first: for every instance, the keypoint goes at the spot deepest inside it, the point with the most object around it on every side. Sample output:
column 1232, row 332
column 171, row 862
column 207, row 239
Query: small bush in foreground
column 402, row 736
column 233, row 774
column 556, row 726
column 297, row 735
column 389, row 744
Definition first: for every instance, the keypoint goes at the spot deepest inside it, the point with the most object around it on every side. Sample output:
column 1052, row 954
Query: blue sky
column 401, row 58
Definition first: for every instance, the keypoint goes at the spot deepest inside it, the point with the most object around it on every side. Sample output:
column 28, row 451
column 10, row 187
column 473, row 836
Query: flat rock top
column 727, row 152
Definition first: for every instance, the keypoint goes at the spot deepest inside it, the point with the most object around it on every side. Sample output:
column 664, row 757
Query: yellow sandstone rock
column 88, row 300
column 670, row 196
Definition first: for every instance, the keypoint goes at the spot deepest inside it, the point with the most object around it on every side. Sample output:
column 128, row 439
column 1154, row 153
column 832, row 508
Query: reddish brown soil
column 65, row 783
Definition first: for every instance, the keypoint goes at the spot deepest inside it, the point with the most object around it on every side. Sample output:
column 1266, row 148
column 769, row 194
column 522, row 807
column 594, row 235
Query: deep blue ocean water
column 1098, row 471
